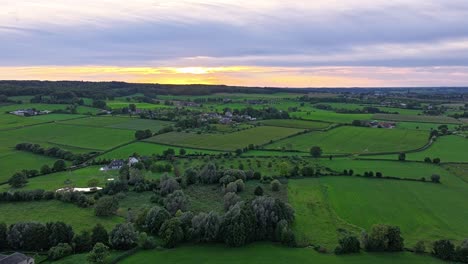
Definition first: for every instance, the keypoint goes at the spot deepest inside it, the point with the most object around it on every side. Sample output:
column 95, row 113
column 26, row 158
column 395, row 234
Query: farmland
column 229, row 142
column 354, row 140
column 240, row 148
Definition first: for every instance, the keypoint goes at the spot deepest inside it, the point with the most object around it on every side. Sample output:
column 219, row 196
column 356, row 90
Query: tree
column 106, row 206
column 284, row 169
column 238, row 225
column 3, row 237
column 348, row 244
column 59, row 251
column 268, row 213
column 99, row 235
column 402, row 156
column 168, row 185
column 18, row 180
column 191, row 176
column 82, row 242
column 206, row 227
column 28, row 236
column 45, row 169
column 258, row 191
column 316, row 151
column 59, row 165
column 59, row 232
column 171, row 232
column 145, row 241
column 99, row 253
column 275, row 185
column 99, row 104
column 132, row 107
column 435, row 178
column 155, row 218
column 462, row 252
column 383, row 238
column 123, row 237
column 307, row 171
column 427, row 160
column 182, row 152
column 419, row 247
column 176, row 201
column 436, row 161
column 230, row 199
column 443, row 249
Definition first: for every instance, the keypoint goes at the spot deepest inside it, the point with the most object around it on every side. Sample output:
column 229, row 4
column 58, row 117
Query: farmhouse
column 379, row 124
column 84, row 190
column 16, row 258
column 117, row 164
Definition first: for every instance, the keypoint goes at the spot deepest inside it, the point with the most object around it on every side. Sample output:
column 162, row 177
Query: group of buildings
column 30, row 112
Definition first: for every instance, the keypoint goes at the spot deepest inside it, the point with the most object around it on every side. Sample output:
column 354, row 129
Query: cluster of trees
column 435, row 160
column 54, row 152
column 142, row 134
column 383, row 238
column 265, row 113
column 20, row 179
column 446, row 250
column 77, row 198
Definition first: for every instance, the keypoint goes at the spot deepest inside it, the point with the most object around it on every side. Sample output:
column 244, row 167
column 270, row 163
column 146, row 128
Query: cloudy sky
column 313, row 43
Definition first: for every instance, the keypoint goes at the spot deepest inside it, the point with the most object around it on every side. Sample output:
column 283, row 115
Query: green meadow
column 293, row 123
column 355, row 140
column 10, row 160
column 128, row 123
column 417, row 118
column 228, row 142
column 329, row 116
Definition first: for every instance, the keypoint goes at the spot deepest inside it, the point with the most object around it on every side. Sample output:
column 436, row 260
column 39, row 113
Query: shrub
column 348, row 244
column 383, row 238
column 18, row 180
column 419, row 247
column 145, row 241
column 427, row 160
column 176, row 201
column 435, row 178
column 106, row 206
column 155, row 218
column 443, row 249
column 275, row 185
column 82, row 242
column 99, row 253
column 230, row 199
column 60, row 251
column 171, row 232
column 168, row 185
column 99, row 235
column 258, row 191
column 123, row 237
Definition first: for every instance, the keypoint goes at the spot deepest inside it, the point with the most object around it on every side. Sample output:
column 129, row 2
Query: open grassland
column 51, row 107
column 354, row 140
column 229, row 142
column 447, row 148
column 121, row 123
column 266, row 253
column 417, row 118
column 48, row 211
column 329, row 116
column 56, row 117
column 350, row 106
column 121, row 104
column 423, row 211
column 293, row 123
column 459, row 169
column 423, row 126
column 148, row 149
column 15, row 161
column 68, row 137
column 271, row 153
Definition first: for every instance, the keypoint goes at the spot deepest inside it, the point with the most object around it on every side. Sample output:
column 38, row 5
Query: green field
column 228, row 142
column 423, row 126
column 417, row 118
column 148, row 149
column 15, row 161
column 120, row 123
column 73, row 138
column 354, row 140
column 121, row 104
column 329, row 116
column 447, row 148
column 263, row 253
column 47, row 211
column 293, row 123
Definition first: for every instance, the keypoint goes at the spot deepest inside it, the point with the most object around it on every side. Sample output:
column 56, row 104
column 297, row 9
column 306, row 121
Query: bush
column 435, row 178
column 348, row 244
column 145, row 241
column 155, row 218
column 176, row 201
column 443, row 249
column 275, row 185
column 419, row 247
column 258, row 191
column 99, row 253
column 82, row 242
column 60, row 251
column 106, row 206
column 168, row 185
column 18, row 180
column 383, row 238
column 99, row 235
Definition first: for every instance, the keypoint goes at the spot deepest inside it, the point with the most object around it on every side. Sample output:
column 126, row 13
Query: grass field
column 47, row 211
column 423, row 211
column 68, row 137
column 447, row 148
column 265, row 253
column 417, row 118
column 120, row 123
column 148, row 149
column 329, row 116
column 121, row 104
column 271, row 153
column 355, row 140
column 423, row 126
column 228, row 142
column 15, row 161
column 293, row 123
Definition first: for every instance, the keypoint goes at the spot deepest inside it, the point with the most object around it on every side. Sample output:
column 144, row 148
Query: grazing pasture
column 417, row 118
column 355, row 140
column 423, row 126
column 53, row 210
column 12, row 161
column 294, row 123
column 329, row 116
column 69, row 137
column 120, row 123
column 228, row 142
column 447, row 149
column 148, row 149
column 264, row 253
column 114, row 104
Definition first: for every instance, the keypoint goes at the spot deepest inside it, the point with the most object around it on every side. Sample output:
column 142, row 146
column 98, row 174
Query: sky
column 313, row 43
